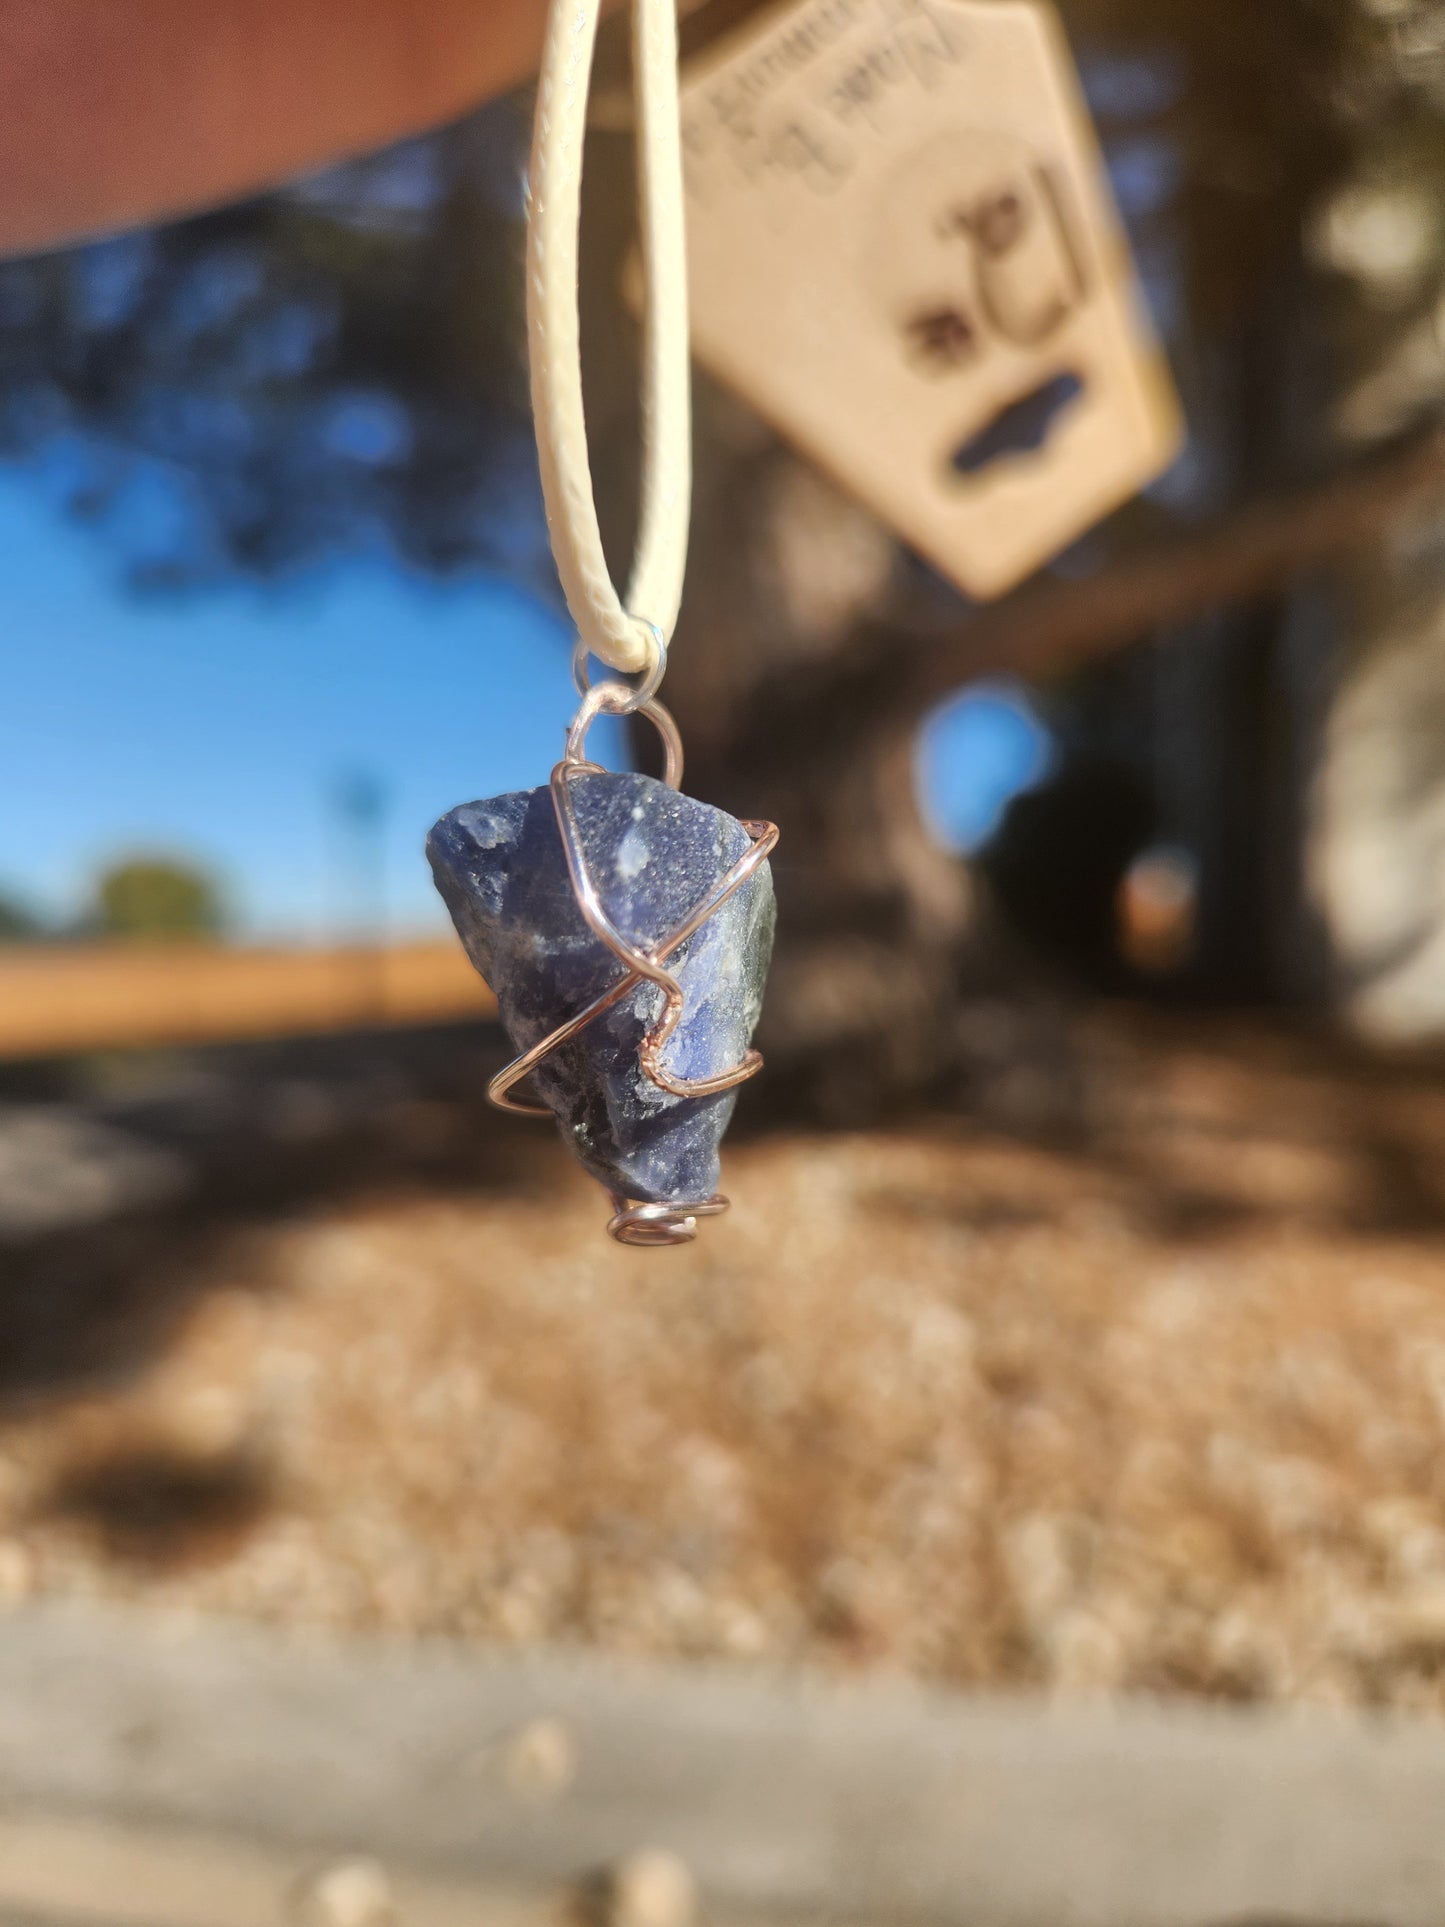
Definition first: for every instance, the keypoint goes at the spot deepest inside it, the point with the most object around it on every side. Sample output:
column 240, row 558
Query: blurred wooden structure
column 56, row 999
column 872, row 1802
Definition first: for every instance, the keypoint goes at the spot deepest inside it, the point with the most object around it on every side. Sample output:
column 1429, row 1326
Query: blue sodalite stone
column 653, row 855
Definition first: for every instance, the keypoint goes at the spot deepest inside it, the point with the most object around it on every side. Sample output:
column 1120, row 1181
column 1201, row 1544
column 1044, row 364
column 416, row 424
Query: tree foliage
column 159, row 898
column 326, row 369
column 17, row 923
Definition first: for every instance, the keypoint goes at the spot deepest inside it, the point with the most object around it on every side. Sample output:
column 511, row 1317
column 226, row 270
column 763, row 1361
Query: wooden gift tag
column 903, row 253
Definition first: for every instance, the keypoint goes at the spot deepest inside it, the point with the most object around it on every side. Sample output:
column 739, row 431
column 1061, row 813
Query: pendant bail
column 603, row 699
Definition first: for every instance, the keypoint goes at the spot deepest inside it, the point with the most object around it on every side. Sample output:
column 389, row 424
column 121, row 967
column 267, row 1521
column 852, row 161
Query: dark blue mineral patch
column 652, row 855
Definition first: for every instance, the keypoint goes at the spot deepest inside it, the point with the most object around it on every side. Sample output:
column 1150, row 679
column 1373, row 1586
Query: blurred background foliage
column 319, row 371
column 157, row 898
column 17, row 923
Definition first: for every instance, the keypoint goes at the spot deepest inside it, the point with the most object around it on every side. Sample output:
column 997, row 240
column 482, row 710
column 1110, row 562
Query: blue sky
column 220, row 723
column 976, row 752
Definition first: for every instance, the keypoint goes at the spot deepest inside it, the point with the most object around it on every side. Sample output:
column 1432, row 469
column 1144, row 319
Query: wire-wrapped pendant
column 626, row 931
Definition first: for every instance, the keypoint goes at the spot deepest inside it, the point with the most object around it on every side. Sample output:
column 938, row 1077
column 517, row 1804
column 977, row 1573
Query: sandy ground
column 1157, row 1405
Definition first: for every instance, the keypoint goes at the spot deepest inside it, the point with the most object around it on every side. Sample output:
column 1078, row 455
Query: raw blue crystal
column 652, row 855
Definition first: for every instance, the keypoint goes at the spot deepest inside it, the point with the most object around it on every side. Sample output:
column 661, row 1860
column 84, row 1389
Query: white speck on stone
column 637, row 812
column 633, row 855
column 489, row 831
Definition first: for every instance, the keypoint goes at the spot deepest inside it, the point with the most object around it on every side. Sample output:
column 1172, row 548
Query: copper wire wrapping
column 636, row 1222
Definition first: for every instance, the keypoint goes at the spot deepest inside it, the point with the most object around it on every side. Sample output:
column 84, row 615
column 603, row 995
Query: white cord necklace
column 625, row 928
column 630, row 637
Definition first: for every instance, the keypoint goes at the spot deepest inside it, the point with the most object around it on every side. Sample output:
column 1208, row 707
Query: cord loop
column 638, row 694
column 602, row 617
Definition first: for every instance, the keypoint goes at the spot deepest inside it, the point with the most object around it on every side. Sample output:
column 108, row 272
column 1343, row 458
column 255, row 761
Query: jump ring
column 639, row 692
column 602, row 700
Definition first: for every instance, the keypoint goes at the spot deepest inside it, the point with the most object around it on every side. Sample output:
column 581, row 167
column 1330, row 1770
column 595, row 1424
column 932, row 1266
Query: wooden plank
column 56, row 999
column 81, row 1871
column 94, row 1873
column 877, row 1800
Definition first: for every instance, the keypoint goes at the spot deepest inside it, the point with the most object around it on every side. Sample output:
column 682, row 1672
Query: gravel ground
column 1158, row 1405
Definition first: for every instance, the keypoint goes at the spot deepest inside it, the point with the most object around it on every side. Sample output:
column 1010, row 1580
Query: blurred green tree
column 17, row 923
column 157, row 897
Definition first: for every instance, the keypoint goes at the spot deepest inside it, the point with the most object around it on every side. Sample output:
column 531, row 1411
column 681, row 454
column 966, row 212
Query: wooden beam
column 56, row 999
column 891, row 674
column 1053, row 624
